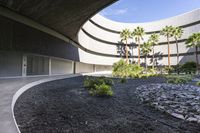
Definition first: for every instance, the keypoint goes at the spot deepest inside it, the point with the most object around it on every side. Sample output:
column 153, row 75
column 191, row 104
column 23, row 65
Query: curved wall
column 101, row 36
column 98, row 45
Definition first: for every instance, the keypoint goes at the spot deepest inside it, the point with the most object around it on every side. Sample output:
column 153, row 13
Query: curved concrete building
column 33, row 42
column 102, row 38
column 46, row 38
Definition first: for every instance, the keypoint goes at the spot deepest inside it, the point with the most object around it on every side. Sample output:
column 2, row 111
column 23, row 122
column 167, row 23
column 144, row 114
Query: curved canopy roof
column 63, row 16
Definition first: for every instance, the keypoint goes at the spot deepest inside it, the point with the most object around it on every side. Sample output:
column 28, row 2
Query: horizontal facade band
column 151, row 32
column 120, row 43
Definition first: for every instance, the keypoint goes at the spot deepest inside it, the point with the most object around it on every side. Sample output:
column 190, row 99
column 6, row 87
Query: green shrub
column 123, row 80
column 136, row 71
column 178, row 79
column 122, row 69
column 150, row 73
column 189, row 67
column 101, row 90
column 107, row 81
column 198, row 83
column 99, row 86
column 168, row 69
column 177, row 69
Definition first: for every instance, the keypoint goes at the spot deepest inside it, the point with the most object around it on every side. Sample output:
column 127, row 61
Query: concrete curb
column 30, row 85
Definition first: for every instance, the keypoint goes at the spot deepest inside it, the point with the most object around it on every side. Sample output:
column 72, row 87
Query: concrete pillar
column 50, row 66
column 24, row 65
column 74, row 67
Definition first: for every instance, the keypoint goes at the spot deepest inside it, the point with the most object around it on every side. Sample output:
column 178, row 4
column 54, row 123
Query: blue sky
column 148, row 10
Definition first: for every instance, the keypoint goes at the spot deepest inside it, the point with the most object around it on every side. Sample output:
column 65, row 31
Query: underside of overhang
column 63, row 16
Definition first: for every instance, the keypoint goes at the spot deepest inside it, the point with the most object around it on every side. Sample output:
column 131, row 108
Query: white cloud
column 114, row 12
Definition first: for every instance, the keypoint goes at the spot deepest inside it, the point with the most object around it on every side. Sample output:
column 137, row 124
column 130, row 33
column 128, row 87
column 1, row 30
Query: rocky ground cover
column 179, row 100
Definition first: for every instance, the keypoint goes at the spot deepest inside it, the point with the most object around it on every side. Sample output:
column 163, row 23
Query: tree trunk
column 177, row 49
column 169, row 65
column 138, row 51
column 146, row 63
column 153, row 58
column 126, row 52
column 197, row 61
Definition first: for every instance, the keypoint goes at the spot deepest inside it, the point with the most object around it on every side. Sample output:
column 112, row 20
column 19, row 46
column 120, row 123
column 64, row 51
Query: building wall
column 10, row 64
column 102, row 37
column 59, row 67
column 15, row 36
column 37, row 65
column 84, row 68
column 100, row 68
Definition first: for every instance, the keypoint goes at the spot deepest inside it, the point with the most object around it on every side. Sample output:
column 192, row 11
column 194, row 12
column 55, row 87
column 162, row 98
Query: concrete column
column 94, row 68
column 24, row 65
column 74, row 67
column 50, row 66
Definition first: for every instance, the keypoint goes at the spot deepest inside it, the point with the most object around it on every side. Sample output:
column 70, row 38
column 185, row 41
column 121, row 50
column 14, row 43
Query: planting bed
column 64, row 106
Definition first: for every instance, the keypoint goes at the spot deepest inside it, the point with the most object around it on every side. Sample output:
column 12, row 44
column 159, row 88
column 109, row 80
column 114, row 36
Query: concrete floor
column 8, row 87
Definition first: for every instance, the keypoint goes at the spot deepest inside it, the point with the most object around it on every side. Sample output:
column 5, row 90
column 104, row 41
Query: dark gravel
column 64, row 106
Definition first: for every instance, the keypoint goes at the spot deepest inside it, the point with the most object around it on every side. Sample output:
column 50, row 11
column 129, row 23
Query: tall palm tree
column 154, row 39
column 138, row 34
column 194, row 41
column 125, row 35
column 145, row 50
column 167, row 32
column 177, row 33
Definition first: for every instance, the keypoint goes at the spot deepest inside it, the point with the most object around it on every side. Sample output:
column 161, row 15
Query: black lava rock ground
column 64, row 106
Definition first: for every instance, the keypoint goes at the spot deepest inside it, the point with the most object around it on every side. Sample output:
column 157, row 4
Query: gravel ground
column 64, row 106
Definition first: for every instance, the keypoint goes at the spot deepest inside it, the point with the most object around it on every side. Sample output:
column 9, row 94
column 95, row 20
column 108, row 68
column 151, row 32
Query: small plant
column 178, row 79
column 198, row 83
column 123, row 80
column 107, row 81
column 189, row 67
column 101, row 90
column 99, row 86
column 168, row 69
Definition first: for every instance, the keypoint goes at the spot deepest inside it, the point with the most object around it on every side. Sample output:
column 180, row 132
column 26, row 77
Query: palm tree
column 194, row 41
column 146, row 49
column 125, row 35
column 177, row 33
column 167, row 32
column 154, row 39
column 138, row 34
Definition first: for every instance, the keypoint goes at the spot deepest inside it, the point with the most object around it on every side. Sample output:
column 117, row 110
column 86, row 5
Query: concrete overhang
column 64, row 16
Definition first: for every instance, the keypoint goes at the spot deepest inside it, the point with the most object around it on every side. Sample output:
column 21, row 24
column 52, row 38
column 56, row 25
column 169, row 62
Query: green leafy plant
column 151, row 72
column 138, row 34
column 168, row 69
column 99, row 86
column 189, row 67
column 167, row 31
column 194, row 42
column 178, row 79
column 101, row 90
column 177, row 68
column 123, row 80
column 198, row 83
column 106, row 80
column 153, row 39
column 146, row 49
column 125, row 35
column 136, row 71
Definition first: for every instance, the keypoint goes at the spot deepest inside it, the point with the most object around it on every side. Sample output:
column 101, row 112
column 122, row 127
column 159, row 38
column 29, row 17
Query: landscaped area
column 66, row 106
